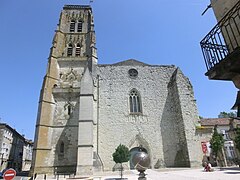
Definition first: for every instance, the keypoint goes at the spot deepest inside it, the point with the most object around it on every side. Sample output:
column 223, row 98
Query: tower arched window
column 61, row 148
column 72, row 26
column 135, row 102
column 79, row 27
column 69, row 50
column 78, row 50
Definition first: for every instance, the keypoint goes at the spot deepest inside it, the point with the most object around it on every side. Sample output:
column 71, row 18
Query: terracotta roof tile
column 216, row 121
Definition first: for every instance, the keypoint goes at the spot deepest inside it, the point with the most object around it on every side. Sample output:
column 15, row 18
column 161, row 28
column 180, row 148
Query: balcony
column 221, row 47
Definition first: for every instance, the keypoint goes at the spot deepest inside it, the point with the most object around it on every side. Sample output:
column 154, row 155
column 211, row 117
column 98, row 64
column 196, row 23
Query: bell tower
column 73, row 54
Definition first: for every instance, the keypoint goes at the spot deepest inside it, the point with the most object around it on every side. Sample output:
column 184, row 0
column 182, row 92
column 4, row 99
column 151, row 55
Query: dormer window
column 69, row 50
column 79, row 27
column 78, row 50
column 72, row 26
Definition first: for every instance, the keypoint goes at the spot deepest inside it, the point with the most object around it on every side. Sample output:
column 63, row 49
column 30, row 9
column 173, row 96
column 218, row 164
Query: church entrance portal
column 133, row 151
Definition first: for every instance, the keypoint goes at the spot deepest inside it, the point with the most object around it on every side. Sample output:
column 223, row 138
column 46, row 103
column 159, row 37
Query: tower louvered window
column 69, row 50
column 79, row 28
column 135, row 102
column 72, row 26
column 78, row 50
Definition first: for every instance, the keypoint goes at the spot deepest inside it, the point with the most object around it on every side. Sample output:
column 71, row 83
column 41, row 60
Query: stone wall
column 188, row 118
column 221, row 7
column 175, row 152
column 160, row 128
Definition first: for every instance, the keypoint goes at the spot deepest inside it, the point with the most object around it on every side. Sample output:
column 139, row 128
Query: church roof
column 132, row 62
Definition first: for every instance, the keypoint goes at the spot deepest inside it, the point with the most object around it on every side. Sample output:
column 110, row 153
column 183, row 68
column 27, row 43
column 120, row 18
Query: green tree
column 237, row 144
column 224, row 114
column 237, row 139
column 121, row 155
column 216, row 142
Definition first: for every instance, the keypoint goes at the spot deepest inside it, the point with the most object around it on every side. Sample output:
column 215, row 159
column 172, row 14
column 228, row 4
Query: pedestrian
column 207, row 167
column 210, row 167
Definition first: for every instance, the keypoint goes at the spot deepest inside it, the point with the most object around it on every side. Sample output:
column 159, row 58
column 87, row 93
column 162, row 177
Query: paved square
column 186, row 174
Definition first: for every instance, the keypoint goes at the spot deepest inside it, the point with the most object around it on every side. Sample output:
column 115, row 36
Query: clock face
column 133, row 73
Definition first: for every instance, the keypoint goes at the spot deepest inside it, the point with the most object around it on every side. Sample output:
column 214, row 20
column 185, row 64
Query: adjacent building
column 221, row 46
column 13, row 149
column 6, row 139
column 27, row 155
column 87, row 109
column 223, row 126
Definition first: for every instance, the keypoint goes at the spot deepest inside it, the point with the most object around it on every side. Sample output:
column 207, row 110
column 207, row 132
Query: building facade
column 87, row 109
column 223, row 126
column 6, row 139
column 12, row 149
column 27, row 155
column 220, row 46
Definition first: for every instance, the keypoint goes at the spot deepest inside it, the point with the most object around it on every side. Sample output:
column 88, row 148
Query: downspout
column 98, row 123
column 97, row 113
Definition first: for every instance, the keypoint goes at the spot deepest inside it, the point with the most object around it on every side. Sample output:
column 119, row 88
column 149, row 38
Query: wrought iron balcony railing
column 223, row 39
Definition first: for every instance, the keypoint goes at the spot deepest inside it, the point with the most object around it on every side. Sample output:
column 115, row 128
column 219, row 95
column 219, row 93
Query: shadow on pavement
column 116, row 179
column 229, row 168
column 232, row 172
column 23, row 173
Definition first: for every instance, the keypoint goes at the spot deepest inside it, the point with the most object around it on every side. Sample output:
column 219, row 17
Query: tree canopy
column 224, row 114
column 121, row 154
column 237, row 139
column 216, row 142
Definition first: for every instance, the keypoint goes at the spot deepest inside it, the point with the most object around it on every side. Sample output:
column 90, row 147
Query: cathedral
column 87, row 109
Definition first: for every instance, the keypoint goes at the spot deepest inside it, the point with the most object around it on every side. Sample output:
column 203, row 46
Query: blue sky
column 160, row 32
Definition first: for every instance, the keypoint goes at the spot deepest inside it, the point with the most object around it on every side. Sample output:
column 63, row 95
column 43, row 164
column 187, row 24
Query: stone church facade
column 87, row 109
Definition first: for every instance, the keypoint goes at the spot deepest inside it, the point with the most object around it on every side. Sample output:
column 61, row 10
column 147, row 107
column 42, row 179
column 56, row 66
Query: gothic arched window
column 69, row 50
column 61, row 149
column 78, row 48
column 135, row 102
column 79, row 27
column 72, row 26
